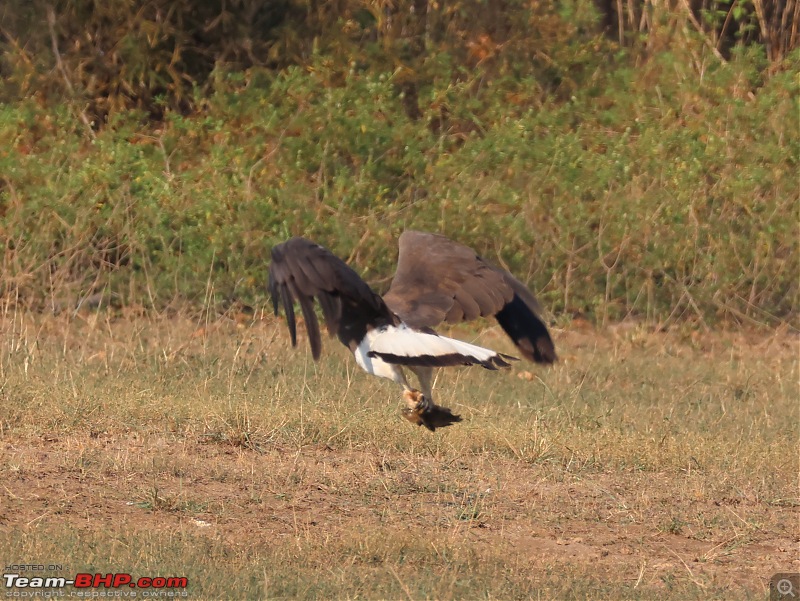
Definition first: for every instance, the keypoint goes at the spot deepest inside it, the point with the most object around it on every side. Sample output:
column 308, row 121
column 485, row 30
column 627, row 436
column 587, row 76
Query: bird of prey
column 437, row 280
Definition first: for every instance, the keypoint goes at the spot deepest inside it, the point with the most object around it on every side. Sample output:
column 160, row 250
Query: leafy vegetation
column 653, row 179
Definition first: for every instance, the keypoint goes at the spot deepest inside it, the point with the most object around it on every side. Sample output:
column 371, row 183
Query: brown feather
column 466, row 301
column 302, row 271
column 439, row 280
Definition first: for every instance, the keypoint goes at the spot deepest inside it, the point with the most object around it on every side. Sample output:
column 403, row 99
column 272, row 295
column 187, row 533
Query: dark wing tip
column 544, row 351
column 272, row 287
column 445, row 360
column 422, row 360
column 502, row 360
column 527, row 331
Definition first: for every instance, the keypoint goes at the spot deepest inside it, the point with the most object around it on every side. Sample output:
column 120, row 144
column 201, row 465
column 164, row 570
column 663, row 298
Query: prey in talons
column 421, row 411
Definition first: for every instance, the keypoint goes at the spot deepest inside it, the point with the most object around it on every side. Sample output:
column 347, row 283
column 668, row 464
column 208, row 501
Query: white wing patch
column 375, row 365
column 403, row 341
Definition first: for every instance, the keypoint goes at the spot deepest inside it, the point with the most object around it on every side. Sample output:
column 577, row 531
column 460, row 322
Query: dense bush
column 663, row 191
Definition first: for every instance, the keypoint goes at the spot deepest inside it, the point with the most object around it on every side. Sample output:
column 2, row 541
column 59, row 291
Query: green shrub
column 651, row 192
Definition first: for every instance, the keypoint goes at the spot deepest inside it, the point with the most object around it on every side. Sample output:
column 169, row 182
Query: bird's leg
column 425, row 377
column 417, row 406
column 416, row 402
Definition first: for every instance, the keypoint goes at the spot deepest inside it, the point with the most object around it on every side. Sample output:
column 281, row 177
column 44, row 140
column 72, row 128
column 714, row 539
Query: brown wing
column 302, row 271
column 440, row 280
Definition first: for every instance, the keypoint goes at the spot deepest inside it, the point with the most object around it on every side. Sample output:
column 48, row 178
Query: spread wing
column 302, row 271
column 440, row 280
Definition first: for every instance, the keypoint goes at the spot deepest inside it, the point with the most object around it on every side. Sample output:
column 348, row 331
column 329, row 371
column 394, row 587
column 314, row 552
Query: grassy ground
column 642, row 466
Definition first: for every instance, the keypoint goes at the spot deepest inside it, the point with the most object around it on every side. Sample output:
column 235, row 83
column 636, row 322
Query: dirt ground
column 613, row 522
column 644, row 528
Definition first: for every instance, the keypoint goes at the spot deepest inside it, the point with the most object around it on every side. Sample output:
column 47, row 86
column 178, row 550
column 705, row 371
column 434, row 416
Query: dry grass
column 643, row 466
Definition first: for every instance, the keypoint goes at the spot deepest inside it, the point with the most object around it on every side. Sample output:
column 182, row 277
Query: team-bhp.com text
column 96, row 581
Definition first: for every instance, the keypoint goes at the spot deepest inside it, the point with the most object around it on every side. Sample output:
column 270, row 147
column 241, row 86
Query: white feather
column 375, row 365
column 406, row 342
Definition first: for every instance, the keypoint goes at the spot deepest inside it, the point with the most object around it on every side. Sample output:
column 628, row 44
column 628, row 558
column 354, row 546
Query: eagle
column 436, row 280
